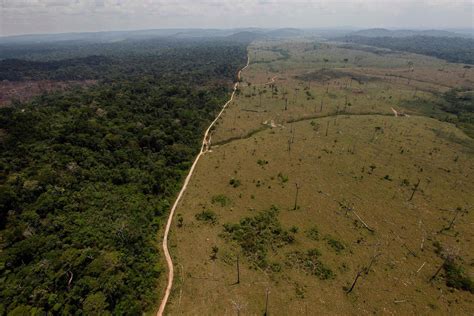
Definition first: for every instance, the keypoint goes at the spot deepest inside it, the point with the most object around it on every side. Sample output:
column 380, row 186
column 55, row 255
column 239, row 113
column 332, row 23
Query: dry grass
column 363, row 170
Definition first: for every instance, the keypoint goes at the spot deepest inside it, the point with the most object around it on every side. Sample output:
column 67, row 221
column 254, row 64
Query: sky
column 59, row 16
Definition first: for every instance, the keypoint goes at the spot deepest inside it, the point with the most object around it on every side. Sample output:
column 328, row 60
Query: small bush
column 221, row 200
column 234, row 182
column 256, row 235
column 310, row 263
column 214, row 252
column 207, row 216
column 262, row 163
column 294, row 229
column 456, row 278
column 313, row 233
column 336, row 245
column 282, row 178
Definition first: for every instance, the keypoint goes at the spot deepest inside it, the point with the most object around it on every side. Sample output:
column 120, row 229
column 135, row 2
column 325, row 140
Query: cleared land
column 313, row 182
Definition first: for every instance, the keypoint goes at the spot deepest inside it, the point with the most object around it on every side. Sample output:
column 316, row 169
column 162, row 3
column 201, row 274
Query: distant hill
column 285, row 33
column 245, row 36
column 115, row 36
column 380, row 32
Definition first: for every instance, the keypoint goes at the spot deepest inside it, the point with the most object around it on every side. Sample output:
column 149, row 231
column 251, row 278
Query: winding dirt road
column 206, row 143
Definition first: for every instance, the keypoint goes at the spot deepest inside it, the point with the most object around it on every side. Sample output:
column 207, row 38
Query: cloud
column 20, row 16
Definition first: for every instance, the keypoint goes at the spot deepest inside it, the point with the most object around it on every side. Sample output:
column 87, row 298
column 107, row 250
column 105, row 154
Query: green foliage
column 283, row 178
column 235, row 183
column 313, row 233
column 207, row 216
column 214, row 252
column 95, row 304
column 309, row 262
column 456, row 277
column 159, row 59
column 86, row 175
column 453, row 49
column 257, row 235
column 221, row 199
column 335, row 244
column 262, row 162
column 455, row 106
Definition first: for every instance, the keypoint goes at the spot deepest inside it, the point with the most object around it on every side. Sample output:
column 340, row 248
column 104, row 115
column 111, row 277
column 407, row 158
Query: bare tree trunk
column 355, row 281
column 296, row 196
column 438, row 271
column 415, row 189
column 238, row 269
column 266, row 303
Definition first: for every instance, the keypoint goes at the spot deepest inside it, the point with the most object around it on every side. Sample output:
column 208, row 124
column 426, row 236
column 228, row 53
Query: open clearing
column 333, row 185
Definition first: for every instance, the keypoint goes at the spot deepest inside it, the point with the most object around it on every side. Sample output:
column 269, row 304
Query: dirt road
column 204, row 148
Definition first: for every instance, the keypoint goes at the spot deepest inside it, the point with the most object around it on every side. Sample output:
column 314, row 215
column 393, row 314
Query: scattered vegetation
column 221, row 200
column 313, row 233
column 309, row 262
column 235, row 182
column 456, row 277
column 257, row 235
column 335, row 244
column 207, row 216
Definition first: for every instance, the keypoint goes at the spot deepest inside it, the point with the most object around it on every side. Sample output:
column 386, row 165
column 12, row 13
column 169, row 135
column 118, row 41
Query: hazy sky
column 52, row 16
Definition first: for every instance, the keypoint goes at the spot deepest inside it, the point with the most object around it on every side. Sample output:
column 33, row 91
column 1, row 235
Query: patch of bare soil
column 25, row 90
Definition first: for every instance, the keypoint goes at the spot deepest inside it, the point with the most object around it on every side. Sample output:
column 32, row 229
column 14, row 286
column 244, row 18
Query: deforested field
column 339, row 181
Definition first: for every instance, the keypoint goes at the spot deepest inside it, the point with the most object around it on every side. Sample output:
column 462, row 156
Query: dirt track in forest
column 204, row 149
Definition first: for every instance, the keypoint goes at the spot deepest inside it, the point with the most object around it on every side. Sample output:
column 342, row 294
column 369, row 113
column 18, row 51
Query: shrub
column 207, row 216
column 234, row 182
column 335, row 244
column 310, row 263
column 282, row 178
column 256, row 235
column 456, row 278
column 262, row 162
column 221, row 199
column 313, row 233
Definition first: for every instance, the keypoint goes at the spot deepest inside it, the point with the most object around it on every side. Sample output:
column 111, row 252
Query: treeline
column 198, row 61
column 87, row 175
column 455, row 106
column 452, row 49
column 460, row 103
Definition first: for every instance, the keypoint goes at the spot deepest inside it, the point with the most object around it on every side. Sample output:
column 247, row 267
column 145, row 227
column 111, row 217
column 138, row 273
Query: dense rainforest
column 452, row 49
column 87, row 175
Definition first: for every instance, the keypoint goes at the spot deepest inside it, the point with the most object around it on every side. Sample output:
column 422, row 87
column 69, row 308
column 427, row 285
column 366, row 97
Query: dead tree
column 359, row 274
column 449, row 256
column 238, row 269
column 364, row 270
column 458, row 210
column 238, row 306
column 327, row 129
column 438, row 271
column 410, row 251
column 372, row 261
column 415, row 188
column 266, row 303
column 296, row 196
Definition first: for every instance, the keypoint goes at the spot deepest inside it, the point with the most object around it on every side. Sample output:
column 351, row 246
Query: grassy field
column 313, row 183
